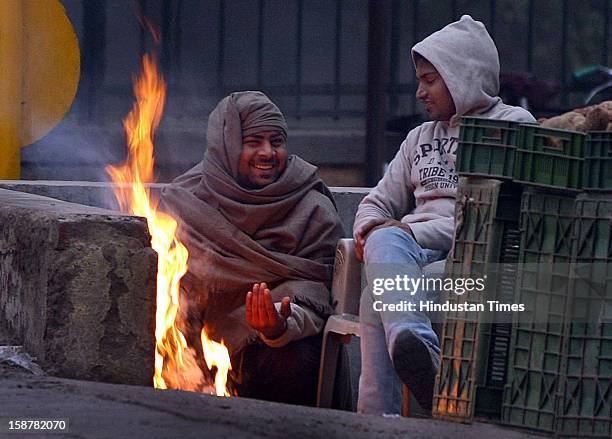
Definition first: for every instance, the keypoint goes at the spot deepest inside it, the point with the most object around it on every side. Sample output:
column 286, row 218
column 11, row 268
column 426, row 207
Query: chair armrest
column 346, row 284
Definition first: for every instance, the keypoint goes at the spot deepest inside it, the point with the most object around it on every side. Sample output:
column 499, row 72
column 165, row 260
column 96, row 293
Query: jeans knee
column 382, row 235
column 389, row 243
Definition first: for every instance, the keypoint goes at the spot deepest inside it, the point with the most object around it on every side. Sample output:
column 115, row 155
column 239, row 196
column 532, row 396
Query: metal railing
column 96, row 30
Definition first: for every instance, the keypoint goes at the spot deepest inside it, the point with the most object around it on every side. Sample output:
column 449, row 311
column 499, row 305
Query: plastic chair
column 346, row 293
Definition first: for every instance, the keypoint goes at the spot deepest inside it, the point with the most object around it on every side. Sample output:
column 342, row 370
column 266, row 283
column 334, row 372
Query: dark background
column 310, row 57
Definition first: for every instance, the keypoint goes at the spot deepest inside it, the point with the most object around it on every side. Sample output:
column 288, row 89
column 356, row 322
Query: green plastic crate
column 585, row 401
column 597, row 171
column 550, row 158
column 474, row 353
column 585, row 405
column 498, row 335
column 487, row 147
column 531, row 392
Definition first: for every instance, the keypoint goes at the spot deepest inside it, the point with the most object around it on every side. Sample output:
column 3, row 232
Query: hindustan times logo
column 411, row 285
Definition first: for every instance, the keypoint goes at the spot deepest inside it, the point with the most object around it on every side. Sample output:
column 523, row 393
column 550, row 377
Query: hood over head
column 465, row 56
column 237, row 115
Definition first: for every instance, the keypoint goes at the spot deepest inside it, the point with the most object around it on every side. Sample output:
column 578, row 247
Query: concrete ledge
column 89, row 193
column 100, row 194
column 77, row 287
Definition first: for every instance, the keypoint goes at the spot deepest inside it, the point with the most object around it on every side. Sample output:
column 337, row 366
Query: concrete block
column 77, row 288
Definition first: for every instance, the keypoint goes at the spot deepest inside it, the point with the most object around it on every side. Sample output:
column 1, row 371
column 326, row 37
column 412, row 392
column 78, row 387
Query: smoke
column 74, row 151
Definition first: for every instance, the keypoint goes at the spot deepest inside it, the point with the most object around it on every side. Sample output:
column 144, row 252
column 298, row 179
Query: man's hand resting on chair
column 379, row 223
column 261, row 313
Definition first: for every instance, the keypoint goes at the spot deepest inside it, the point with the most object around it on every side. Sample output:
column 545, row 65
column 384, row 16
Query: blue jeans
column 390, row 252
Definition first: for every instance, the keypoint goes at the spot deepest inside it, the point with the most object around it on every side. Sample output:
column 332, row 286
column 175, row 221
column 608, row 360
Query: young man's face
column 432, row 91
column 263, row 158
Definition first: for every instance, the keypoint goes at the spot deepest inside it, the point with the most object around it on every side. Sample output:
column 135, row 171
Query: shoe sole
column 410, row 352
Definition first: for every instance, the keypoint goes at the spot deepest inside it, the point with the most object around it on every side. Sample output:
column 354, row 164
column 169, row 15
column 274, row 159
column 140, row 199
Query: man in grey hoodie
column 407, row 221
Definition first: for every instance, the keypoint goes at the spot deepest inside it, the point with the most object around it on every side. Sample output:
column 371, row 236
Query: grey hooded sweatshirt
column 420, row 184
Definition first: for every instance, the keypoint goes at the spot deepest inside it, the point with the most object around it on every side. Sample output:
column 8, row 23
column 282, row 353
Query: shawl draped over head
column 283, row 234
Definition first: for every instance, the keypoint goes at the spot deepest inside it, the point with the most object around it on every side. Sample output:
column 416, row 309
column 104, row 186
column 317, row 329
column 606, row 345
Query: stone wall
column 77, row 288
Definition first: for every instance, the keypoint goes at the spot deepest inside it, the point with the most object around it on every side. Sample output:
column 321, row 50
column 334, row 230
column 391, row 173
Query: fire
column 174, row 360
column 216, row 354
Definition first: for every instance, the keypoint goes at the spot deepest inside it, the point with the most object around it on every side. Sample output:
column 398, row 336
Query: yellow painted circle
column 50, row 67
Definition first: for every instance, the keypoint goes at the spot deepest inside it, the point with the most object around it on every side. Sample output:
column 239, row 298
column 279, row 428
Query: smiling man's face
column 263, row 158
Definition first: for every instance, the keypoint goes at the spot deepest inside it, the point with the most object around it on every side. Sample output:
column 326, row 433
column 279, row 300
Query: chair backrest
column 346, row 284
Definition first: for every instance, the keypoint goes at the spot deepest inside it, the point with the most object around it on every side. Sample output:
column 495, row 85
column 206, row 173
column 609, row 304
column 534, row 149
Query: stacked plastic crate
column 585, row 393
column 543, row 287
column 474, row 351
column 560, row 376
column 550, row 165
column 534, row 215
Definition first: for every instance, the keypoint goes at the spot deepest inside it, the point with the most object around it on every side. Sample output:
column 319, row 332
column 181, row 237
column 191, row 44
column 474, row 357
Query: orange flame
column 174, row 360
column 216, row 354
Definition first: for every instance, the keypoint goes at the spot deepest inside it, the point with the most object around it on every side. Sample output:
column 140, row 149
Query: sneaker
column 417, row 364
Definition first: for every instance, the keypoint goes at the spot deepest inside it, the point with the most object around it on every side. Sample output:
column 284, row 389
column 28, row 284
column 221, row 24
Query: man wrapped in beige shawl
column 261, row 229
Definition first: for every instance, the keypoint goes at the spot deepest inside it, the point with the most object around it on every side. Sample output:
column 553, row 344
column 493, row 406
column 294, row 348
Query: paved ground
column 98, row 410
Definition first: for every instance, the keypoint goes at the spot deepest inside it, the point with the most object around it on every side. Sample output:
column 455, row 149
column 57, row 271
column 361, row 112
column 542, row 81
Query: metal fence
column 318, row 48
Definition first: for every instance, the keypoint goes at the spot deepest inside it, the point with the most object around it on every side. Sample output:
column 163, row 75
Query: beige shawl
column 284, row 233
